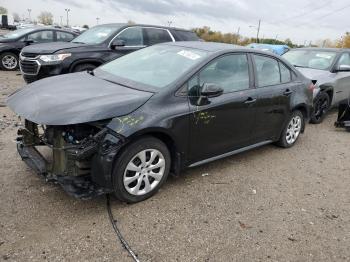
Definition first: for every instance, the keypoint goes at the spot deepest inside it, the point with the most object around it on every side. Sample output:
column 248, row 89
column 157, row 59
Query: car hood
column 50, row 48
column 322, row 76
column 73, row 99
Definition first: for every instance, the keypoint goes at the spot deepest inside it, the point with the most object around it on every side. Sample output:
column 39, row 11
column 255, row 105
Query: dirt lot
column 268, row 204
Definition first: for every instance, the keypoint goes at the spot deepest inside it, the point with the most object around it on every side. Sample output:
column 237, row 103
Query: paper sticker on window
column 189, row 55
column 324, row 56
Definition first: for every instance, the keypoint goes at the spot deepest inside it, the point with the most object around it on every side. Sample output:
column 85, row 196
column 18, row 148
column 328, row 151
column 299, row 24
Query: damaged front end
column 78, row 157
column 343, row 120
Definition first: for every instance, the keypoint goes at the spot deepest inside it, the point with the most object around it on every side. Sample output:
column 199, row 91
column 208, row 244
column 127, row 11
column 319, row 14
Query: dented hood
column 322, row 76
column 73, row 99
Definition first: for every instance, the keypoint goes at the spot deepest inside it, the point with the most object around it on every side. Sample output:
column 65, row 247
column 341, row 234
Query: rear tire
column 84, row 67
column 292, row 130
column 9, row 61
column 141, row 169
column 321, row 107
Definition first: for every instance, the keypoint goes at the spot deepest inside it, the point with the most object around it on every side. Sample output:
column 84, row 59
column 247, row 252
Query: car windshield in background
column 18, row 33
column 95, row 35
column 310, row 58
column 156, row 66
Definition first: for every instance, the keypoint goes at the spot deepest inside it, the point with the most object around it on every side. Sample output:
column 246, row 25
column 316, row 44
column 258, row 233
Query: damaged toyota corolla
column 126, row 125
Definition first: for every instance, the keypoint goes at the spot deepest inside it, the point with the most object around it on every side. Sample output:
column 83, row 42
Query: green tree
column 16, row 17
column 3, row 11
column 45, row 18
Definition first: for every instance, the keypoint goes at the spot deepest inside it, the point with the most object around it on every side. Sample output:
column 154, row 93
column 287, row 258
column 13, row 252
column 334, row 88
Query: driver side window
column 41, row 37
column 230, row 72
column 132, row 36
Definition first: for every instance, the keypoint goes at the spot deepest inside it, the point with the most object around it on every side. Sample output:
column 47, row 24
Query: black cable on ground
column 117, row 231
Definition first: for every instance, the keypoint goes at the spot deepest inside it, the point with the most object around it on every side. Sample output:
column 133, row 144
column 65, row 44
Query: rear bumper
column 81, row 187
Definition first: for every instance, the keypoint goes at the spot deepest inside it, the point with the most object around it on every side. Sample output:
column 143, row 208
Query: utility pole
column 61, row 20
column 67, row 10
column 29, row 10
column 97, row 19
column 239, row 29
column 276, row 38
column 257, row 34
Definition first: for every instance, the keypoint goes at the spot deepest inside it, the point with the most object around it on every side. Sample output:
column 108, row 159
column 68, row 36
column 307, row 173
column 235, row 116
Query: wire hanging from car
column 117, row 231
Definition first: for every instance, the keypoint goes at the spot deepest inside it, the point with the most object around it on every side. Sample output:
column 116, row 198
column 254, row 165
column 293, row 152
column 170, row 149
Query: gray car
column 330, row 70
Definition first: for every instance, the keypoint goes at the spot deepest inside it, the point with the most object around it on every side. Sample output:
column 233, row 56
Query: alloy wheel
column 9, row 62
column 144, row 172
column 293, row 129
column 321, row 108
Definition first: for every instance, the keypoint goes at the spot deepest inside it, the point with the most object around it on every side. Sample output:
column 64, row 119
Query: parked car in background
column 276, row 49
column 125, row 125
column 12, row 43
column 330, row 69
column 94, row 47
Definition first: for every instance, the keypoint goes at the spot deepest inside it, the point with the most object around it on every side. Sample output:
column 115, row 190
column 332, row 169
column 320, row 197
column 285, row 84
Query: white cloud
column 300, row 20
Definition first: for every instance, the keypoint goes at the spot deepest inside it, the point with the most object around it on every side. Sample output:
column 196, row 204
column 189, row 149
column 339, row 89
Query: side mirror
column 343, row 68
column 29, row 42
column 118, row 43
column 211, row 90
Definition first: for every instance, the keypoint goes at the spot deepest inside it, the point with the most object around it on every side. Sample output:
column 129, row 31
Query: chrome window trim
column 110, row 42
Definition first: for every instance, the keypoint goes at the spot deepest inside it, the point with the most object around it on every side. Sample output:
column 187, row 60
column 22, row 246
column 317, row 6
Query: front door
column 342, row 84
column 224, row 123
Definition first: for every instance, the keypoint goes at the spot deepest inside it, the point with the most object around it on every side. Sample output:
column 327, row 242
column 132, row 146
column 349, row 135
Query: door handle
column 287, row 92
column 250, row 100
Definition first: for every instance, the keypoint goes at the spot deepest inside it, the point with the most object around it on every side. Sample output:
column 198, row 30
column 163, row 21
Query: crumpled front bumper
column 81, row 187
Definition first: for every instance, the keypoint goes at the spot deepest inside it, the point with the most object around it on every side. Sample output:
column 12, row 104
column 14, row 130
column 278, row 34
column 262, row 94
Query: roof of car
column 207, row 46
column 144, row 25
column 338, row 50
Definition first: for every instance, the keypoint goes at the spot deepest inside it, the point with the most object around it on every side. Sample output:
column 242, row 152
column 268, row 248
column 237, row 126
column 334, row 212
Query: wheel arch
column 168, row 139
column 96, row 62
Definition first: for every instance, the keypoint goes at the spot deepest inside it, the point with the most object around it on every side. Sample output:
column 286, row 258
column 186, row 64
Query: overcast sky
column 300, row 20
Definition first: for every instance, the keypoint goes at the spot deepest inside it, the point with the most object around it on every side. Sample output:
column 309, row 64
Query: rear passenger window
column 156, row 36
column 181, row 35
column 285, row 74
column 131, row 36
column 64, row 37
column 268, row 72
column 230, row 72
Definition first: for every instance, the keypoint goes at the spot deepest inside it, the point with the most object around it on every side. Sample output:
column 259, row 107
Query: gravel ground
column 269, row 204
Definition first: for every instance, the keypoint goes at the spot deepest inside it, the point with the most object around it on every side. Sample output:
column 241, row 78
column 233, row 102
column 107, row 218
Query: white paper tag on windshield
column 189, row 55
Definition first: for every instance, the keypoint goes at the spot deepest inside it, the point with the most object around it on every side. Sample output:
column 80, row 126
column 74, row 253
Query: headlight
column 54, row 58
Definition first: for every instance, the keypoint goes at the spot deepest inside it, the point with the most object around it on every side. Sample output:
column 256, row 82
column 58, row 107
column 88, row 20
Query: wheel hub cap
column 293, row 129
column 144, row 172
column 9, row 62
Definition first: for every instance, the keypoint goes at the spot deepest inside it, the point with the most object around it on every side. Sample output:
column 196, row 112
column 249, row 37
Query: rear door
column 63, row 36
column 224, row 123
column 275, row 88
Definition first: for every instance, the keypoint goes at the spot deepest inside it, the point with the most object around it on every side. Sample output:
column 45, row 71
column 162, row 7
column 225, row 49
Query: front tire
column 292, row 130
column 9, row 61
column 141, row 169
column 84, row 67
column 321, row 107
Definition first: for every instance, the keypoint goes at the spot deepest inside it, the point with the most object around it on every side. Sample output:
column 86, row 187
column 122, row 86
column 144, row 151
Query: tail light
column 312, row 86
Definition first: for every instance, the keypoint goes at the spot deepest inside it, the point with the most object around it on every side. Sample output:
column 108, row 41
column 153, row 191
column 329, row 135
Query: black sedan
column 126, row 125
column 12, row 43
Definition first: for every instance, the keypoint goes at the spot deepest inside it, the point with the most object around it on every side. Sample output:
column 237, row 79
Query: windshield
column 156, row 66
column 95, row 35
column 311, row 59
column 18, row 33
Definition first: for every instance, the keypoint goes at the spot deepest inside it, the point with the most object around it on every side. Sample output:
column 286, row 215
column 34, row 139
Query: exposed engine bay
column 65, row 154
